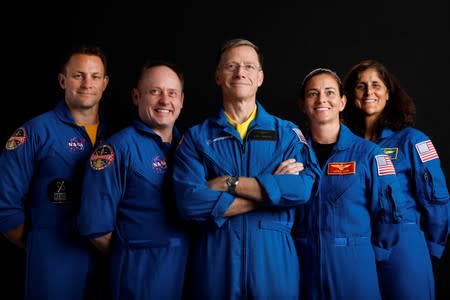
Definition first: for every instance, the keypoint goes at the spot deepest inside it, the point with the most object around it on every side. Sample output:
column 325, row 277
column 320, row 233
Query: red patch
column 341, row 168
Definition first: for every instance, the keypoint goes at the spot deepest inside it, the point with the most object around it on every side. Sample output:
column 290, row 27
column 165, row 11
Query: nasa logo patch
column 159, row 164
column 76, row 144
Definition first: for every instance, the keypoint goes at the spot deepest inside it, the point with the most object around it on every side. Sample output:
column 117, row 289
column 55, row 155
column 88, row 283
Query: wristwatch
column 232, row 182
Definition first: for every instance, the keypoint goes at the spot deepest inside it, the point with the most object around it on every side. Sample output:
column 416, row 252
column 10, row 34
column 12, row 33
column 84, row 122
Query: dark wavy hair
column 399, row 112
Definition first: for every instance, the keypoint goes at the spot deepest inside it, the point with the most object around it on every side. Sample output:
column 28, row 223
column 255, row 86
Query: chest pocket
column 62, row 154
column 148, row 178
column 435, row 184
column 338, row 187
column 215, row 167
column 60, row 172
column 401, row 164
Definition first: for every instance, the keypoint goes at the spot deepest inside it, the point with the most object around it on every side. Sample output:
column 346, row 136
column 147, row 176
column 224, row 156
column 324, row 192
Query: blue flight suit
column 408, row 273
column 252, row 255
column 127, row 191
column 41, row 171
column 351, row 221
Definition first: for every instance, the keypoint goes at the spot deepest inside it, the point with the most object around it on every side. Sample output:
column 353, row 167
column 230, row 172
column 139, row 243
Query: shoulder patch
column 300, row 135
column 17, row 139
column 384, row 165
column 426, row 151
column 102, row 157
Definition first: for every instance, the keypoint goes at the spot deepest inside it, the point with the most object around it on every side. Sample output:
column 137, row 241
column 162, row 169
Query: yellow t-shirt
column 243, row 127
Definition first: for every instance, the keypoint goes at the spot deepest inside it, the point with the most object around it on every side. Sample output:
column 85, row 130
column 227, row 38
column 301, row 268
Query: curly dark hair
column 400, row 110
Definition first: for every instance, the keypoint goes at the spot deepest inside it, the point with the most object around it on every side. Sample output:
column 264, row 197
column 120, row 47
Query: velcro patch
column 341, row 168
column 102, row 157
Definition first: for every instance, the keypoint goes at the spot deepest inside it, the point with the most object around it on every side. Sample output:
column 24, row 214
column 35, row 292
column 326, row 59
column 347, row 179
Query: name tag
column 391, row 152
column 265, row 135
column 341, row 168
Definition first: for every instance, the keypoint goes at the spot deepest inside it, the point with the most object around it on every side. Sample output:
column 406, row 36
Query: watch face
column 233, row 180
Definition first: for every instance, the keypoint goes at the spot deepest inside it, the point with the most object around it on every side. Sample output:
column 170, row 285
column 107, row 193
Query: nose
column 86, row 82
column 164, row 98
column 322, row 97
column 240, row 71
column 368, row 90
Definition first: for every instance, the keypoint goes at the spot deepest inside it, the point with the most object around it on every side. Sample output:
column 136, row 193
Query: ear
column 217, row 77
column 62, row 81
column 343, row 102
column 135, row 96
column 105, row 82
column 301, row 104
column 182, row 100
column 260, row 78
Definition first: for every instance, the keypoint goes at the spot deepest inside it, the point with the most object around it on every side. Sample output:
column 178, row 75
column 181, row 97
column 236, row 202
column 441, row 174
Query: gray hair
column 233, row 43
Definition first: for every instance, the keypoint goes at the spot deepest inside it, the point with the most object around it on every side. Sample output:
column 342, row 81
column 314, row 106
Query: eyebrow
column 326, row 88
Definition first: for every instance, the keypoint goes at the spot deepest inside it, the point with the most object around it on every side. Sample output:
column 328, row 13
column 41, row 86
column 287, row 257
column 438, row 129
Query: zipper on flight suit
column 244, row 222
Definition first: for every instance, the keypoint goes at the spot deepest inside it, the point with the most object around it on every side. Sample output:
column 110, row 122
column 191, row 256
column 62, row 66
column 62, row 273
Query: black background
column 410, row 38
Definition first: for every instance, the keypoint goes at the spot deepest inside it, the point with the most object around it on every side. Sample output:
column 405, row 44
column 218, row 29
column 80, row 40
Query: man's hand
column 103, row 243
column 289, row 166
column 218, row 184
column 17, row 236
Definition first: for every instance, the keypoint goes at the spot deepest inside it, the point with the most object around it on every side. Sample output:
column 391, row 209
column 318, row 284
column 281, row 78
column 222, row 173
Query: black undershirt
column 323, row 151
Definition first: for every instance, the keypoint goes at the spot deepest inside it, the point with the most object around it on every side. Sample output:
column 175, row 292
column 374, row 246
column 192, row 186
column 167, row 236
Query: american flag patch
column 300, row 135
column 384, row 165
column 426, row 151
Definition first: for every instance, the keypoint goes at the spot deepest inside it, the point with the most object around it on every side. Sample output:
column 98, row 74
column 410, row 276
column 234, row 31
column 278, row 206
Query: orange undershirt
column 92, row 132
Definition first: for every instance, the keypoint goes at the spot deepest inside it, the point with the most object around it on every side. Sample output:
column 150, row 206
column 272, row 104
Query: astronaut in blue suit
column 353, row 218
column 380, row 110
column 127, row 208
column 41, row 171
column 229, row 181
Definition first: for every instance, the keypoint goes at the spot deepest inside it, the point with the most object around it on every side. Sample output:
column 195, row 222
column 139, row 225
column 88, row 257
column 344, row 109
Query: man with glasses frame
column 237, row 177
